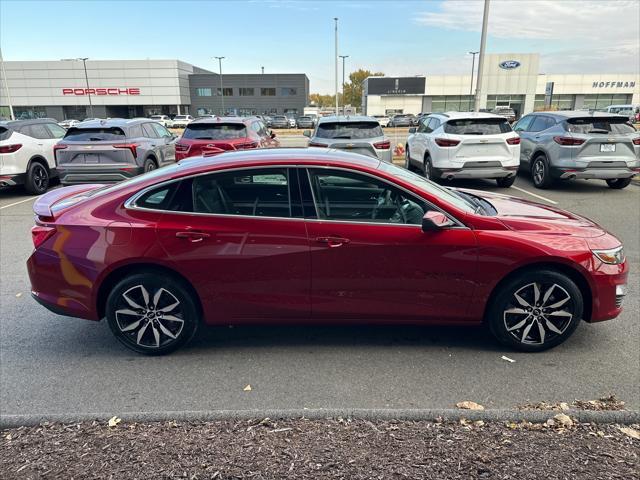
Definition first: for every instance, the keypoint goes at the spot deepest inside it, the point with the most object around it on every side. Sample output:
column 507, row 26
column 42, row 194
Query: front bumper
column 97, row 174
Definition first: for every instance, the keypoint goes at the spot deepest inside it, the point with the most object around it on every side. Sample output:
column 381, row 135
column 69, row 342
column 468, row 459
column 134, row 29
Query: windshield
column 217, row 131
column 602, row 125
column 349, row 130
column 428, row 186
column 94, row 134
column 485, row 126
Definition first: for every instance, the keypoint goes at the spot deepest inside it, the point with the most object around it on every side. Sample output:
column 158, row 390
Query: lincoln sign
column 79, row 92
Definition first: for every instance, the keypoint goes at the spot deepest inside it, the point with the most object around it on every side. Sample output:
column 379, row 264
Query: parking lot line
column 30, row 199
column 535, row 195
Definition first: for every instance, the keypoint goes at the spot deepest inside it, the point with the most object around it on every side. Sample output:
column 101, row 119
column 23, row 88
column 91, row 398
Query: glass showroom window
column 504, row 100
column 268, row 92
column 599, row 101
column 246, row 112
column 288, row 91
column 558, row 102
column 26, row 113
column 203, row 92
column 228, row 91
column 246, row 92
column 452, row 103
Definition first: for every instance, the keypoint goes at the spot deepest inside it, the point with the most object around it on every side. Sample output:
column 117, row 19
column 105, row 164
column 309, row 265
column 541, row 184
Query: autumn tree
column 353, row 88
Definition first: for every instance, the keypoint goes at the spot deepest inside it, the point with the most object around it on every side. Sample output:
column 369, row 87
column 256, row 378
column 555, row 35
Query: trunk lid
column 49, row 205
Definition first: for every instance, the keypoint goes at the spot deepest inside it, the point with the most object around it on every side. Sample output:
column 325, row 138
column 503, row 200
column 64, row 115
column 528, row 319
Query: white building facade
column 509, row 79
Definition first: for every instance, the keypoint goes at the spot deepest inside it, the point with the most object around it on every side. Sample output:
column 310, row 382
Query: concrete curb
column 497, row 415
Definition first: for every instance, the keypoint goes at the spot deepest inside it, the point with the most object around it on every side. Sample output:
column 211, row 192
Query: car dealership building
column 509, row 79
column 139, row 88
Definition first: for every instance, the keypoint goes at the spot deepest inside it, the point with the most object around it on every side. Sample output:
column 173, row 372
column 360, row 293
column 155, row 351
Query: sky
column 402, row 37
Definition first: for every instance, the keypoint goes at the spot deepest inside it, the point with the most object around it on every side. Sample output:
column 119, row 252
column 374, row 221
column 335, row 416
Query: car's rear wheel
column 149, row 165
column 535, row 310
column 428, row 170
column 540, row 173
column 505, row 182
column 152, row 314
column 407, row 158
column 37, row 179
column 618, row 183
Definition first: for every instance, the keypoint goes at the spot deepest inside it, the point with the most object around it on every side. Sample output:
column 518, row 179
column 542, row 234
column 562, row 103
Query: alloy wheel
column 538, row 172
column 150, row 320
column 40, row 177
column 538, row 313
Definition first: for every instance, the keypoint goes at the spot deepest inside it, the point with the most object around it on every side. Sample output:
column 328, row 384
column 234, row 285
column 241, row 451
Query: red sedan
column 299, row 236
column 210, row 136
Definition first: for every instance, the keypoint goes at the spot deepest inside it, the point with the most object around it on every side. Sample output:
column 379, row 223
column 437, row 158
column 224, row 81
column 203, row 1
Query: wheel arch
column 123, row 271
column 574, row 274
column 39, row 159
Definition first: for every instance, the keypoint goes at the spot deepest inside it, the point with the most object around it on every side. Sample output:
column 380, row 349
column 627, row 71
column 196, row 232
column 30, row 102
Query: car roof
column 112, row 122
column 578, row 114
column 22, row 123
column 347, row 118
column 223, row 119
column 466, row 115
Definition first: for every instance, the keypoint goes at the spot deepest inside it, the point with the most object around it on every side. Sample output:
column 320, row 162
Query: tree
column 353, row 88
column 322, row 100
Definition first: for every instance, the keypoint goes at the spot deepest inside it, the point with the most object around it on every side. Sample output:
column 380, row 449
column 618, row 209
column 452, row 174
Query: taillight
column 386, row 145
column 39, row 234
column 10, row 148
column 133, row 147
column 445, row 142
column 181, row 147
column 314, row 144
column 568, row 141
column 636, row 141
column 513, row 141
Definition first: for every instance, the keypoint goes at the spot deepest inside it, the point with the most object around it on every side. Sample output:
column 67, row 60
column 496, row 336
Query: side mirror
column 307, row 133
column 413, row 130
column 434, row 221
column 272, row 135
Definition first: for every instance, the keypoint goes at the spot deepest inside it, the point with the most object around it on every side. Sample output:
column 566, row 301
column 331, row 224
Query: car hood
column 521, row 215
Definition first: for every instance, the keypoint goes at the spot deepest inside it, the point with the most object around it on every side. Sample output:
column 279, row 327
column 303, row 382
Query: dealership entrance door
column 516, row 102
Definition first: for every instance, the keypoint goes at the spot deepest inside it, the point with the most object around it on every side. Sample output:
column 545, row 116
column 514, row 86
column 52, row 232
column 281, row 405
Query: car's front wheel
column 618, row 183
column 152, row 314
column 535, row 310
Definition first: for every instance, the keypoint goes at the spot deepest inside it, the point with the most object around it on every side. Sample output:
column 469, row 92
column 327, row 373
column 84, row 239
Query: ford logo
column 509, row 64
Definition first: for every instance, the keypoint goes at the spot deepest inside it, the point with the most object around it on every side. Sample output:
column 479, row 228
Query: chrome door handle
column 193, row 236
column 333, row 241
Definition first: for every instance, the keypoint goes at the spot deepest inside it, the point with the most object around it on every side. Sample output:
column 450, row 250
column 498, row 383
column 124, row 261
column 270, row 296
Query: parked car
column 464, row 145
column 89, row 119
column 402, row 120
column 208, row 136
column 279, row 121
column 181, row 121
column 331, row 237
column 68, row 123
column 292, row 122
column 632, row 111
column 506, row 112
column 106, row 151
column 383, row 120
column 305, row 122
column 164, row 120
column 358, row 134
column 26, row 153
column 571, row 144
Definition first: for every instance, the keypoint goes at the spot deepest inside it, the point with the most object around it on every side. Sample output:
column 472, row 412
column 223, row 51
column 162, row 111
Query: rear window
column 94, row 134
column 349, row 130
column 485, row 126
column 599, row 125
column 180, row 117
column 217, row 131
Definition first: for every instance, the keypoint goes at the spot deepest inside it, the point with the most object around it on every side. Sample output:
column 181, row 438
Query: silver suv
column 358, row 134
column 574, row 144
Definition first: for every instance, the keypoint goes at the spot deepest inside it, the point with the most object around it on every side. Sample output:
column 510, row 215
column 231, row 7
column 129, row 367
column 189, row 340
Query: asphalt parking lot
column 56, row 365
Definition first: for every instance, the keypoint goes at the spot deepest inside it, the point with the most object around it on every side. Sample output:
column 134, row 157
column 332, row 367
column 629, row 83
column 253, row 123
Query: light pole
column 86, row 78
column 6, row 87
column 221, row 89
column 343, row 103
column 483, row 43
column 262, row 70
column 473, row 66
column 336, row 63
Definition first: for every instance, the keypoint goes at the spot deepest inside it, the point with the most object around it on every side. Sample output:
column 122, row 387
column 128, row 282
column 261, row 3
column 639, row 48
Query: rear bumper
column 108, row 174
column 595, row 173
column 476, row 172
column 12, row 180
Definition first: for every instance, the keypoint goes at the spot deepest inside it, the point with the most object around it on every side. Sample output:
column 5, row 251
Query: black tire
column 37, row 179
column 521, row 327
column 618, row 183
column 540, row 173
column 407, row 158
column 505, row 182
column 149, row 165
column 127, row 318
column 428, row 170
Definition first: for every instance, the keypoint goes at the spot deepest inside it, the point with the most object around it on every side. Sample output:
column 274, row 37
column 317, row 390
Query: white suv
column 181, row 121
column 164, row 120
column 446, row 146
column 26, row 153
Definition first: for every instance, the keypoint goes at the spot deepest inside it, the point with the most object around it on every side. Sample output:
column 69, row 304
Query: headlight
column 613, row 256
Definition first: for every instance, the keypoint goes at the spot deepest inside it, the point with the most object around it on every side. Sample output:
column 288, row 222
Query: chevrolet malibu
column 301, row 236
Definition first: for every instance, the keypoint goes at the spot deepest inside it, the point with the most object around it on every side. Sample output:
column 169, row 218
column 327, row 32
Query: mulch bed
column 336, row 448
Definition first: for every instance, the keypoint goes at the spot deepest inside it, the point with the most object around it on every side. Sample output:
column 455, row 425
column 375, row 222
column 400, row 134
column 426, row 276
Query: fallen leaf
column 467, row 405
column 18, row 295
column 563, row 420
column 631, row 432
column 247, row 388
column 8, row 436
column 478, row 423
column 564, row 406
column 114, row 421
column 510, row 360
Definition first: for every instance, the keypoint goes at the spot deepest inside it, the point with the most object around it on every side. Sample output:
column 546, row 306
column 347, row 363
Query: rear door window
column 94, row 134
column 599, row 125
column 541, row 123
column 480, row 126
column 215, row 131
column 38, row 131
column 349, row 130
